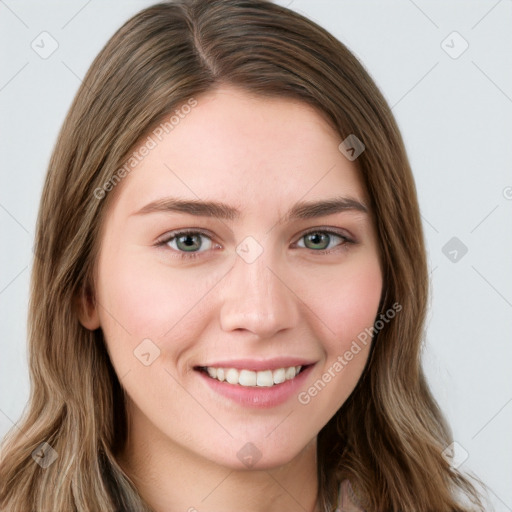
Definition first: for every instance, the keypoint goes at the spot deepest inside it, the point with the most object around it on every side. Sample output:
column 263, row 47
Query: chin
column 260, row 454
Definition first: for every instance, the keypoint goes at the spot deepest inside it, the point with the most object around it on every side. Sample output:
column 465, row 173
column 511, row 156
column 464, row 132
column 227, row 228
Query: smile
column 256, row 384
column 250, row 378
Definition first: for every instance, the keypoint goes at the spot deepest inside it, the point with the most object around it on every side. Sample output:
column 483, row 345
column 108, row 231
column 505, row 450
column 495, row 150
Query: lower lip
column 258, row 397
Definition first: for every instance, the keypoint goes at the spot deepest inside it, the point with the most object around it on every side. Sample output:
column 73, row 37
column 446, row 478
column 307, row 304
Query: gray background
column 455, row 112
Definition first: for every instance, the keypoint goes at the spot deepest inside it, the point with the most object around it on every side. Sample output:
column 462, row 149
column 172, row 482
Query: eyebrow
column 301, row 210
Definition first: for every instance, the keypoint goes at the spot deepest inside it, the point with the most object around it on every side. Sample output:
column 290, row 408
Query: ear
column 87, row 310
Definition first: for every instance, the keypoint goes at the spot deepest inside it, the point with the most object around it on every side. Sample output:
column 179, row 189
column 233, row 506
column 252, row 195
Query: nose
column 257, row 297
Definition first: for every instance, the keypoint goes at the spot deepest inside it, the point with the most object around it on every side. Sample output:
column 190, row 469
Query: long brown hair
column 388, row 437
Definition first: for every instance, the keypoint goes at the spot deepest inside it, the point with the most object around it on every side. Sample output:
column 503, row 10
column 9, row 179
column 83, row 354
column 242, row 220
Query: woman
column 230, row 286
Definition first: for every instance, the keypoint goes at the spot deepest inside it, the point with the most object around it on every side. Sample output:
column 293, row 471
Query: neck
column 171, row 477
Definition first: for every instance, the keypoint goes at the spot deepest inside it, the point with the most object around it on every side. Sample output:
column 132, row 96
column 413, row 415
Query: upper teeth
column 265, row 378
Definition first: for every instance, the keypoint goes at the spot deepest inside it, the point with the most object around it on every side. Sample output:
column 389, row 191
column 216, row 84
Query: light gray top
column 347, row 500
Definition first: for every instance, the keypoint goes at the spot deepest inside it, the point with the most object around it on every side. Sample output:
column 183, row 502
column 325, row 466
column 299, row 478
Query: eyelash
column 182, row 254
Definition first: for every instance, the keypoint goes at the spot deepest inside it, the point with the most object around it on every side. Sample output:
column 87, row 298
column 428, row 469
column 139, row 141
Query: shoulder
column 347, row 500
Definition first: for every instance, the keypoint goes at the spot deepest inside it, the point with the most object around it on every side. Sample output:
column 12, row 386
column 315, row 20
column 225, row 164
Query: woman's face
column 278, row 268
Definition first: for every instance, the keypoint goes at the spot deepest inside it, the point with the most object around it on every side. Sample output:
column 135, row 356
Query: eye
column 187, row 241
column 190, row 243
column 322, row 240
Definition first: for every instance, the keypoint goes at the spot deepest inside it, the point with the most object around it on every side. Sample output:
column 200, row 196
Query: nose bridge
column 255, row 298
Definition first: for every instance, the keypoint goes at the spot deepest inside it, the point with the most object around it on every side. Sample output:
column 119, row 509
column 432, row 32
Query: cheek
column 145, row 299
column 348, row 302
column 346, row 309
column 347, row 312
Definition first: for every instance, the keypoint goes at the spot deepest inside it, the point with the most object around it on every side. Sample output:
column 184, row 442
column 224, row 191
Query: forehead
column 253, row 152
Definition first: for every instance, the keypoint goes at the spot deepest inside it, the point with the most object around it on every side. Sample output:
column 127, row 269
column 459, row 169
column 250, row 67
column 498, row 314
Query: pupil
column 190, row 242
column 318, row 239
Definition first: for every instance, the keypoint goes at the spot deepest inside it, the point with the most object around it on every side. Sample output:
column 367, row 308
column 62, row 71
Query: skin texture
column 261, row 156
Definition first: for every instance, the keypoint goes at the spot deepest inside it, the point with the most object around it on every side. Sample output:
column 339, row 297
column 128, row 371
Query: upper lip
column 260, row 364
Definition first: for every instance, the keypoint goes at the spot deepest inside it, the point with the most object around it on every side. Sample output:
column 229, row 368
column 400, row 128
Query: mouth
column 265, row 378
column 256, row 383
